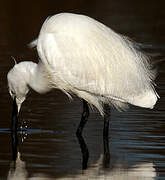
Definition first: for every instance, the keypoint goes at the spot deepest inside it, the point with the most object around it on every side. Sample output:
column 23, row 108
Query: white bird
column 82, row 56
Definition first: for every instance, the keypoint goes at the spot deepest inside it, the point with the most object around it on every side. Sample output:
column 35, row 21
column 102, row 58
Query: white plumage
column 81, row 56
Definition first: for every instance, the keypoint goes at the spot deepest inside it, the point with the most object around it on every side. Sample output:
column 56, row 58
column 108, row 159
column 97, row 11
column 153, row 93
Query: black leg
column 83, row 146
column 106, row 136
column 106, row 120
column 84, row 118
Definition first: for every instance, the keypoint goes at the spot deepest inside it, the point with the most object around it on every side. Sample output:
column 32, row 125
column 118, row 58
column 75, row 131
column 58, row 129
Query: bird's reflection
column 85, row 152
column 143, row 171
column 14, row 140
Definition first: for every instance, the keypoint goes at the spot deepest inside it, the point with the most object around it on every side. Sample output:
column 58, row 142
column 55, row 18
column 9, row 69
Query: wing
column 89, row 56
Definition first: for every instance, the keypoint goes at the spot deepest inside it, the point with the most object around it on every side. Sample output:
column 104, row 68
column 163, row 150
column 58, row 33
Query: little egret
column 82, row 56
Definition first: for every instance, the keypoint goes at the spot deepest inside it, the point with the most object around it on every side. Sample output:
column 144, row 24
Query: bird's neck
column 39, row 79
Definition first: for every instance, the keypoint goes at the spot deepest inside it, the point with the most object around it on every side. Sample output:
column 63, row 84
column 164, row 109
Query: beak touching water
column 14, row 134
column 16, row 108
column 14, row 115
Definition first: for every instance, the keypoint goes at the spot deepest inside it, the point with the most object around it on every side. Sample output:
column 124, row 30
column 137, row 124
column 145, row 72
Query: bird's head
column 18, row 83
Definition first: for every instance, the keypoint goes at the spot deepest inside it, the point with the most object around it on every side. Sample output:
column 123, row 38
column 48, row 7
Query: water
column 47, row 141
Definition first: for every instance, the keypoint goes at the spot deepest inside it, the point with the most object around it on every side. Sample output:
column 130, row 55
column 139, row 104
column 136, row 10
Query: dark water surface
column 47, row 140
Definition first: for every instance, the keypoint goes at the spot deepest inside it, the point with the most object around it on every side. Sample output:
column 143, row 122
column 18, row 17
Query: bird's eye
column 12, row 92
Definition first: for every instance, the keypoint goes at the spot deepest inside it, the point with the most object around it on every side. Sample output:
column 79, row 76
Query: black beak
column 14, row 116
column 14, row 135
